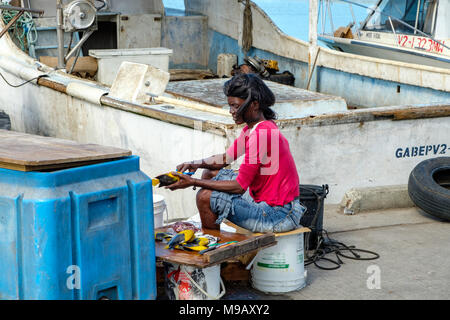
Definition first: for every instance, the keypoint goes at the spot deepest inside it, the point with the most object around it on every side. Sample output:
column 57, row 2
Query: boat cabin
column 412, row 31
column 420, row 14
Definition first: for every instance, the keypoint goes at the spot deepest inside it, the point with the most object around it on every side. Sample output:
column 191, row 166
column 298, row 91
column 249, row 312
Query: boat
column 413, row 31
column 352, row 121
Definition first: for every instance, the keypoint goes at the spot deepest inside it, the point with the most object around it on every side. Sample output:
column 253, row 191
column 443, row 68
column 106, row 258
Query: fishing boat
column 352, row 121
column 413, row 31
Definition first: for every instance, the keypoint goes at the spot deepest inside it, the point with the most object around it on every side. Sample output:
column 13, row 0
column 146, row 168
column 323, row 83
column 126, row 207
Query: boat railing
column 374, row 10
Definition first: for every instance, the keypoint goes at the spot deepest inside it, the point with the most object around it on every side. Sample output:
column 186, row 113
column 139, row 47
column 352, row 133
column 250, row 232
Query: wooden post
column 313, row 49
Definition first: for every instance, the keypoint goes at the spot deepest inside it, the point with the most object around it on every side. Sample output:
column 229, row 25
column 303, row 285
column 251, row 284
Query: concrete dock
column 413, row 264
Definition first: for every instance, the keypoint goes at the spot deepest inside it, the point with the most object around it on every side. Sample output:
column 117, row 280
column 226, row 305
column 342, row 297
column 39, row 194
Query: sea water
column 292, row 16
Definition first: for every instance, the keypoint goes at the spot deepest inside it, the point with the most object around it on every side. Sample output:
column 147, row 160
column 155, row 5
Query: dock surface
column 413, row 263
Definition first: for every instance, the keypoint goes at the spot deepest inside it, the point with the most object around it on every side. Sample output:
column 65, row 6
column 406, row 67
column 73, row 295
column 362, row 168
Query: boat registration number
column 424, row 43
column 419, row 151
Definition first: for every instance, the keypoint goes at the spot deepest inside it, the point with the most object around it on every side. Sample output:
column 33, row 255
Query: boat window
column 442, row 24
column 426, row 17
column 174, row 7
column 404, row 10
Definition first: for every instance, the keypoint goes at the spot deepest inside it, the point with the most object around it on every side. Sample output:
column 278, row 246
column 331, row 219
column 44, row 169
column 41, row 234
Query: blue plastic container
column 80, row 233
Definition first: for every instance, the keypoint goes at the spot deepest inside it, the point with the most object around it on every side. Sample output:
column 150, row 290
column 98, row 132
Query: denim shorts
column 243, row 211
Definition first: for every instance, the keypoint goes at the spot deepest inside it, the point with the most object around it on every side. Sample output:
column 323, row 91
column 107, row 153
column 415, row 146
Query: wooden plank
column 190, row 74
column 84, row 64
column 246, row 244
column 240, row 248
column 245, row 231
column 28, row 152
column 51, row 167
column 416, row 113
column 296, row 231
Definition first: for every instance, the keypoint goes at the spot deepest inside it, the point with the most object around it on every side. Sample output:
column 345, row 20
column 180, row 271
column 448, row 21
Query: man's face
column 235, row 103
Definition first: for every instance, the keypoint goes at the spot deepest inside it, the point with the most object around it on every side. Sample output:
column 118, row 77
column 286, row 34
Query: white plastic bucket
column 189, row 283
column 159, row 206
column 280, row 268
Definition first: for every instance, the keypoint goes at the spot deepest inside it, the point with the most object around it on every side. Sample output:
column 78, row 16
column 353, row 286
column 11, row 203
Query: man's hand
column 215, row 162
column 191, row 166
column 184, row 182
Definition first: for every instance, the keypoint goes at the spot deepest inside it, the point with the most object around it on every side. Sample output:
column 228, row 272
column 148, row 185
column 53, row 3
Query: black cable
column 22, row 84
column 325, row 245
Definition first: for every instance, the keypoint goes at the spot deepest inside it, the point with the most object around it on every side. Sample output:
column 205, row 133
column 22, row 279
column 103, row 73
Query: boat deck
column 291, row 102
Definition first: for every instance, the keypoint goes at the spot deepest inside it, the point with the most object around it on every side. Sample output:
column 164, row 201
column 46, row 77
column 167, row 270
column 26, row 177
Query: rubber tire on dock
column 426, row 187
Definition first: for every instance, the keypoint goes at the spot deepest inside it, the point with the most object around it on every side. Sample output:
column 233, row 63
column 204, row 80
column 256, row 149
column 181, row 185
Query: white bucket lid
column 158, row 198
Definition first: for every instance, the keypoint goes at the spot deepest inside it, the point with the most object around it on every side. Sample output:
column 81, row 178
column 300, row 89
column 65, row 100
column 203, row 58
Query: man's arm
column 229, row 186
column 215, row 162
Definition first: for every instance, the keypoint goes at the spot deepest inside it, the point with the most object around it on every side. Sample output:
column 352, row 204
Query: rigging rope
column 24, row 30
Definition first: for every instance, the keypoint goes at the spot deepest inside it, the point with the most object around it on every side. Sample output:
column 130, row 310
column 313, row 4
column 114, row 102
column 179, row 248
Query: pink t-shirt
column 268, row 168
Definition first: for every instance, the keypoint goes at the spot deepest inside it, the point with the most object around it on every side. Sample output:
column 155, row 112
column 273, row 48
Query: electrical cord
column 24, row 83
column 325, row 245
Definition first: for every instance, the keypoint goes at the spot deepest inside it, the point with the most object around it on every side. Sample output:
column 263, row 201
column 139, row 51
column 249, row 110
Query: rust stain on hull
column 45, row 82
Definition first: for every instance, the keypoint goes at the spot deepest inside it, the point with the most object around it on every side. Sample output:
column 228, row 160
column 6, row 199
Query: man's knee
column 203, row 196
column 209, row 174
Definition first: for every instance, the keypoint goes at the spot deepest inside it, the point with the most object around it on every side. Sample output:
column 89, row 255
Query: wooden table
column 247, row 243
column 26, row 152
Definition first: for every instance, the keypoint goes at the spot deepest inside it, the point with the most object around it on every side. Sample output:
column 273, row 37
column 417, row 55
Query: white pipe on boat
column 23, row 71
column 85, row 92
column 75, row 89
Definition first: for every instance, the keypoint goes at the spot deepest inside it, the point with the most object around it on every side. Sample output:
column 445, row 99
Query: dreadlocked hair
column 250, row 87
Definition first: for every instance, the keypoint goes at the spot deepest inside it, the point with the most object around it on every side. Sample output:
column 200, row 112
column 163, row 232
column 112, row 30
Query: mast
column 60, row 34
column 313, row 48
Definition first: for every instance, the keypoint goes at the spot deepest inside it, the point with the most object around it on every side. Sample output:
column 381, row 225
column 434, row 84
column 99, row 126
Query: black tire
column 429, row 187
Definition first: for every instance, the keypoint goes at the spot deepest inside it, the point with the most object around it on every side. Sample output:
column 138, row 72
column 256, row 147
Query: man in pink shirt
column 264, row 195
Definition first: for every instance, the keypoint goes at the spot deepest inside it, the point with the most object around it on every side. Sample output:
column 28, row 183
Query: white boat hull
column 382, row 51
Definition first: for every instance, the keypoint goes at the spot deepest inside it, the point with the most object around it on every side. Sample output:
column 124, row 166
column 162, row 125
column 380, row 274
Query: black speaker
column 313, row 198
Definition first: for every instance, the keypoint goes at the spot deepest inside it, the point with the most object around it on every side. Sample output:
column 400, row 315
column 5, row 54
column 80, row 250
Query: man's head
column 247, row 94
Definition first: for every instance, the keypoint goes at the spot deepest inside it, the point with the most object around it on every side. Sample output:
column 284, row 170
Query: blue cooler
column 79, row 233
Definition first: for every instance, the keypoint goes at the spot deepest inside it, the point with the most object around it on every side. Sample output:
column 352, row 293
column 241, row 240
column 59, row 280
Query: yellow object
column 186, row 240
column 181, row 238
column 165, row 179
column 271, row 64
column 203, row 241
column 188, row 234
